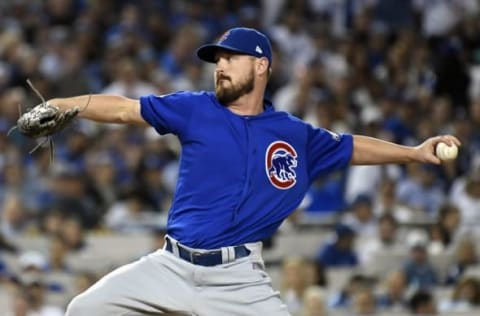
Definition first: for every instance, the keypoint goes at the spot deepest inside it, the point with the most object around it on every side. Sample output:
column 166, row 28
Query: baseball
column 446, row 152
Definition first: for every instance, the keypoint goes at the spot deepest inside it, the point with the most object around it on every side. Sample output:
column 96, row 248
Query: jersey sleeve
column 168, row 113
column 328, row 151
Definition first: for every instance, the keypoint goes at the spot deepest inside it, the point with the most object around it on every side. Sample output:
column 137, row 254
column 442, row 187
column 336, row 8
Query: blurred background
column 371, row 240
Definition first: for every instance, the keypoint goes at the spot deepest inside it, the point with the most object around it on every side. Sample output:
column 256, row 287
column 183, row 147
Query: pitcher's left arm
column 370, row 151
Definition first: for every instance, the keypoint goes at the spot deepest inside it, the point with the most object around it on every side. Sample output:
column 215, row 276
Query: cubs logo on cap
column 224, row 36
column 280, row 165
column 241, row 40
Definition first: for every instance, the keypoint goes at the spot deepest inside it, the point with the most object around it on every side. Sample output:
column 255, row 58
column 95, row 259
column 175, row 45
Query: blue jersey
column 239, row 176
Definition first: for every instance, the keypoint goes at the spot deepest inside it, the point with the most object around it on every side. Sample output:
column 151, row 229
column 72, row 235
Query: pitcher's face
column 234, row 76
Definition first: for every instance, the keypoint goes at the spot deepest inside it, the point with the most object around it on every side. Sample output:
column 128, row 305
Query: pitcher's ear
column 263, row 65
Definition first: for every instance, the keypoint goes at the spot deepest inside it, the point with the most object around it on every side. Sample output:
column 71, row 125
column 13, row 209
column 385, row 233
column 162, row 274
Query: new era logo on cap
column 241, row 40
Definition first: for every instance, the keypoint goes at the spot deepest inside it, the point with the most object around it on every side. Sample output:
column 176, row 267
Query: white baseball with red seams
column 446, row 152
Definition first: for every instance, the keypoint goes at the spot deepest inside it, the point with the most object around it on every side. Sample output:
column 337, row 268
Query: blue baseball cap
column 343, row 230
column 240, row 40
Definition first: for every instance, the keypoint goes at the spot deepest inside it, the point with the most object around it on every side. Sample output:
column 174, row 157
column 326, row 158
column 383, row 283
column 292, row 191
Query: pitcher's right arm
column 104, row 108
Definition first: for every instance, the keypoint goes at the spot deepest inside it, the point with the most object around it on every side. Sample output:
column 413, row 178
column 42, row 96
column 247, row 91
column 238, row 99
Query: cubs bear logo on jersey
column 280, row 164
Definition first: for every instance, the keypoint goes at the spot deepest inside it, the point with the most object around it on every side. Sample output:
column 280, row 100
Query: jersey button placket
column 252, row 150
column 248, row 160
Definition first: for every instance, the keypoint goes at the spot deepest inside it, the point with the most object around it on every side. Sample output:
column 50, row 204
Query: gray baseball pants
column 163, row 284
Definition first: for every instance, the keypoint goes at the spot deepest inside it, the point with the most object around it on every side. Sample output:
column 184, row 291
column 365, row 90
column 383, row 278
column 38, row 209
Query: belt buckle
column 193, row 255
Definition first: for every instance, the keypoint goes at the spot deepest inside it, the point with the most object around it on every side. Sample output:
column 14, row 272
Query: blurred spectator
column 465, row 194
column 181, row 48
column 71, row 157
column 465, row 256
column 37, row 290
column 83, row 280
column 339, row 252
column 70, row 196
column 20, row 305
column 7, row 246
column 74, row 79
column 10, row 281
column 13, row 99
column 52, row 222
column 103, row 179
column 12, row 184
column 128, row 24
column 316, row 273
column 52, row 62
column 442, row 115
column 418, row 270
column 249, row 14
column 32, row 261
column 73, row 234
column 130, row 215
column 451, row 70
column 127, row 81
column 191, row 79
column 325, row 196
column 361, row 217
column 344, row 299
column 57, row 254
column 386, row 241
column 15, row 221
column 447, row 12
column 292, row 39
column 422, row 303
column 394, row 294
column 465, row 296
column 467, row 159
column 402, row 121
column 38, row 174
column 387, row 203
column 314, row 302
column 309, row 97
column 444, row 233
column 364, row 302
column 59, row 12
column 394, row 15
column 294, row 283
column 32, row 282
column 369, row 180
column 474, row 113
column 150, row 179
column 340, row 14
column 420, row 190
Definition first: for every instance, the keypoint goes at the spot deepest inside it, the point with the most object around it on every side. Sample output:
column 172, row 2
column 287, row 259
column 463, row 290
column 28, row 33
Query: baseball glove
column 44, row 120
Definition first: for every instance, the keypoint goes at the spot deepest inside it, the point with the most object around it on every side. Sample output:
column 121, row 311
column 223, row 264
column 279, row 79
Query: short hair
column 389, row 218
column 419, row 299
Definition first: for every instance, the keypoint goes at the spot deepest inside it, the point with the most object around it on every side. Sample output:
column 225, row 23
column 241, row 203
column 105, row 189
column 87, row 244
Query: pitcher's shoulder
column 288, row 117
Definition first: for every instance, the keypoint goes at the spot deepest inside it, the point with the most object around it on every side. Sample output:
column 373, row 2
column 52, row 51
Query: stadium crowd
column 400, row 70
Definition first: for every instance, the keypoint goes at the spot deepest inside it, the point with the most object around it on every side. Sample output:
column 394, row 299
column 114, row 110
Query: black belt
column 207, row 259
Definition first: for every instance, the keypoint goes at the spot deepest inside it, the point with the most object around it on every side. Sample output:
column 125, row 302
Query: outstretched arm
column 104, row 108
column 370, row 151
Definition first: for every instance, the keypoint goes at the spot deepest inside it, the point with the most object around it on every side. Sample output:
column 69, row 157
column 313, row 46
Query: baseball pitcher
column 244, row 168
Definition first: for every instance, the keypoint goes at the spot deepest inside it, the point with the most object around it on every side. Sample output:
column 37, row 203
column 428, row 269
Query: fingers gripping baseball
column 438, row 149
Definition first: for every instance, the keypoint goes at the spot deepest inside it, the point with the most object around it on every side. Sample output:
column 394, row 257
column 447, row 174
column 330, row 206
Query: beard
column 226, row 95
